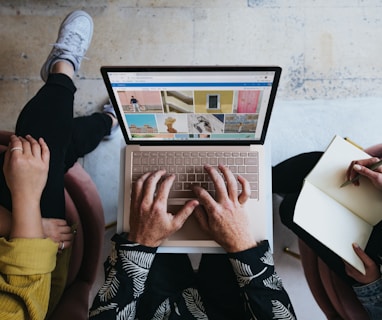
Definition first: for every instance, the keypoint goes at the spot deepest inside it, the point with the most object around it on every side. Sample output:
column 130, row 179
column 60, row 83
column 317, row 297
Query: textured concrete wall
column 328, row 49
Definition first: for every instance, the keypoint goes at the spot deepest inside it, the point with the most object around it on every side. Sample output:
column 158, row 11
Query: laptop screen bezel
column 277, row 74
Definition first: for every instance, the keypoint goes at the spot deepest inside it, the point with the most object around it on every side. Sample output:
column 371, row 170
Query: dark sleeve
column 126, row 271
column 370, row 295
column 261, row 287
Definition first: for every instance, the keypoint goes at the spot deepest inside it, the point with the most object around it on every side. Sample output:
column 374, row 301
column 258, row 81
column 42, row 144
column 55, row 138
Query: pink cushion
column 336, row 298
column 341, row 294
column 84, row 194
column 72, row 217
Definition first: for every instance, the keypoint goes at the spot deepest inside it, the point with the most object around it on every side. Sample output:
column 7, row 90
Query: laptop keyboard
column 188, row 168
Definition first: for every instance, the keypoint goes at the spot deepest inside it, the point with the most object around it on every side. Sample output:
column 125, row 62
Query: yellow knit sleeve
column 25, row 275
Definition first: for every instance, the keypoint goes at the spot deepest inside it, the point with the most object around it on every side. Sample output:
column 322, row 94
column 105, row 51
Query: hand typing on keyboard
column 150, row 223
column 224, row 216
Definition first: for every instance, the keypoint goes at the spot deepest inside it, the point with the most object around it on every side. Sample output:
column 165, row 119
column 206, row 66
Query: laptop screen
column 192, row 104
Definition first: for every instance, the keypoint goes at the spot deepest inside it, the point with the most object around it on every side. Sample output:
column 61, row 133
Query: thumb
column 201, row 217
column 182, row 215
column 362, row 255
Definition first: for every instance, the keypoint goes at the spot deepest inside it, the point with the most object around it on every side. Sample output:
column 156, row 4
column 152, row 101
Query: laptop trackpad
column 190, row 230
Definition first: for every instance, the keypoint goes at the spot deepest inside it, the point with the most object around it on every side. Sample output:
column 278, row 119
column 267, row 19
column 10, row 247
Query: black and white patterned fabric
column 128, row 266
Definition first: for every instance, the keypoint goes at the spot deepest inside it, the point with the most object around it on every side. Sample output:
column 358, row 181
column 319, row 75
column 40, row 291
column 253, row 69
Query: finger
column 26, row 146
column 14, row 142
column 45, row 153
column 64, row 244
column 59, row 222
column 354, row 169
column 151, row 184
column 351, row 271
column 246, row 190
column 202, row 217
column 67, row 237
column 68, row 244
column 65, row 229
column 368, row 162
column 203, row 196
column 35, row 146
column 367, row 261
column 183, row 214
column 351, row 173
column 231, row 182
column 137, row 187
column 163, row 189
column 366, row 172
column 218, row 181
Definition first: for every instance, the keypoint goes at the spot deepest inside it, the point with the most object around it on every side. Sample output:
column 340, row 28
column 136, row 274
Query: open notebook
column 336, row 216
column 179, row 118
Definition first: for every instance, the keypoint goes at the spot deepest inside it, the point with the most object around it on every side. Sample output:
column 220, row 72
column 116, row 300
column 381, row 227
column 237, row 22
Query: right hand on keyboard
column 225, row 217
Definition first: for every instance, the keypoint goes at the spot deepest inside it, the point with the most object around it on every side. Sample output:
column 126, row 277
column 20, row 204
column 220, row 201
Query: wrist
column 22, row 200
column 240, row 246
column 143, row 241
column 26, row 219
column 26, row 209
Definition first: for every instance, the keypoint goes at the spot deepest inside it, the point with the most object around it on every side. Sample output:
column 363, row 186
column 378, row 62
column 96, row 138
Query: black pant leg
column 49, row 114
column 5, row 195
column 288, row 176
column 169, row 275
column 218, row 288
column 88, row 132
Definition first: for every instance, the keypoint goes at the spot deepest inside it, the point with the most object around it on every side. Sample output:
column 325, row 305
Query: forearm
column 26, row 218
column 25, row 222
column 126, row 271
column 262, row 289
column 370, row 296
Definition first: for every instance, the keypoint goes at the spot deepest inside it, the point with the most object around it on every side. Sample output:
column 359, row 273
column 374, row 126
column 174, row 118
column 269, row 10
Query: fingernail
column 355, row 245
column 357, row 167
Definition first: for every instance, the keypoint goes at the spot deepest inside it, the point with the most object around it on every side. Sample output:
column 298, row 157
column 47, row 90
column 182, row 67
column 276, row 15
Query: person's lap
column 169, row 275
column 215, row 280
column 218, row 288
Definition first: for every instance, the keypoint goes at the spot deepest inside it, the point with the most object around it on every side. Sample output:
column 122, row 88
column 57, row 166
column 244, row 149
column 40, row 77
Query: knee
column 286, row 210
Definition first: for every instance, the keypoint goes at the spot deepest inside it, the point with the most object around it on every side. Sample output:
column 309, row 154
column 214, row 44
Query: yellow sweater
column 25, row 275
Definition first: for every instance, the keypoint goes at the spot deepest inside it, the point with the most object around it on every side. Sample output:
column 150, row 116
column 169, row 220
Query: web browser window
column 183, row 105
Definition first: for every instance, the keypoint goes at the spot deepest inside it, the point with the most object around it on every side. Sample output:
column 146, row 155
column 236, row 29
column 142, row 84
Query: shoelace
column 71, row 40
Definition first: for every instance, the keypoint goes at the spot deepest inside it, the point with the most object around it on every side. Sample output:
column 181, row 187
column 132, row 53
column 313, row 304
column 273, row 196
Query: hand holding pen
column 370, row 168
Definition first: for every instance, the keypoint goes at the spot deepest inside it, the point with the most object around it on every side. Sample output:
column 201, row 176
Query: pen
column 372, row 167
column 353, row 143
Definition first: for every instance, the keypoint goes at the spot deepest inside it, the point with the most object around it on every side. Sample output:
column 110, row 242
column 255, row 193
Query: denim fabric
column 370, row 296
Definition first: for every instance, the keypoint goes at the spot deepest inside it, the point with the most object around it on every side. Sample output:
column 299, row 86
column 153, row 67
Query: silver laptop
column 180, row 118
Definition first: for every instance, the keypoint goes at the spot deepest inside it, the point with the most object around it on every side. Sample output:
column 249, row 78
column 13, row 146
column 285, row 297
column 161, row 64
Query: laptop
column 178, row 118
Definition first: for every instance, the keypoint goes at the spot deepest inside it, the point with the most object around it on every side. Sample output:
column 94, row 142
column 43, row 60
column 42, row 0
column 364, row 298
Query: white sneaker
column 73, row 41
